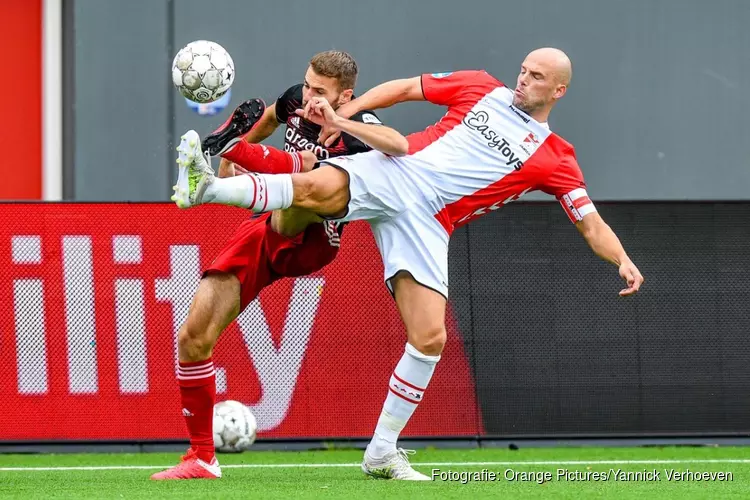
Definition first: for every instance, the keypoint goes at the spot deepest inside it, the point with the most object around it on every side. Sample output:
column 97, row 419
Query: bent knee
column 323, row 191
column 214, row 306
column 305, row 190
column 429, row 341
column 194, row 341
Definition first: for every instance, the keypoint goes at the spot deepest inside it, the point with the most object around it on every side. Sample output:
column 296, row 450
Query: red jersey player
column 492, row 146
column 286, row 243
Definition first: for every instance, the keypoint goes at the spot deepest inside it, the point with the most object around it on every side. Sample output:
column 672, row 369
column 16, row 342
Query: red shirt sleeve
column 566, row 183
column 450, row 89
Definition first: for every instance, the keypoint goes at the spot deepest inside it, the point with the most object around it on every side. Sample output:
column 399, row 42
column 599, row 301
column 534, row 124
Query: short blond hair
column 336, row 64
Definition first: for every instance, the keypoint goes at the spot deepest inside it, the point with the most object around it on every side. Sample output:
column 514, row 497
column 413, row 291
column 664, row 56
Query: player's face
column 536, row 86
column 316, row 85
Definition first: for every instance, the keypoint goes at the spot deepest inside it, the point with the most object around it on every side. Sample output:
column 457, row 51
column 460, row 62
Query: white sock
column 405, row 391
column 258, row 192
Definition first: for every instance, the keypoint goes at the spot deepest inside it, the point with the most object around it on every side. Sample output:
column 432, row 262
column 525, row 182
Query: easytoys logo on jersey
column 478, row 121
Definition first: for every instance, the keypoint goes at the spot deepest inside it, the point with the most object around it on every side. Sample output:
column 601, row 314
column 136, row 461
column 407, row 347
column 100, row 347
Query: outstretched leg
column 323, row 191
column 227, row 142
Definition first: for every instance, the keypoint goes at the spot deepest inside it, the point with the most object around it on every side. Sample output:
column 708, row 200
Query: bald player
column 492, row 146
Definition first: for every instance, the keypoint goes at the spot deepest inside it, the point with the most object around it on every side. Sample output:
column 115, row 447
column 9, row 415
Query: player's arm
column 266, row 126
column 566, row 183
column 380, row 137
column 384, row 139
column 385, row 95
column 262, row 130
column 444, row 89
column 605, row 243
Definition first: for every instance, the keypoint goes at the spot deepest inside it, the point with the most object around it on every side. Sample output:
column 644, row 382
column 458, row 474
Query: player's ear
column 345, row 96
column 560, row 91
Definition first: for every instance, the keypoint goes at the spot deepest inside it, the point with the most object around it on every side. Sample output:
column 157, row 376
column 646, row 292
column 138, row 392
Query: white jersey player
column 491, row 147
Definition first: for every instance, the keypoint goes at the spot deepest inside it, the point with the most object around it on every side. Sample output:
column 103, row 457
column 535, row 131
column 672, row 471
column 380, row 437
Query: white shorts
column 402, row 218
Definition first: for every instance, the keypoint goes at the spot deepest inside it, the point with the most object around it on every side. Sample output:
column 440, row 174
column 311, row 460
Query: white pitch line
column 422, row 464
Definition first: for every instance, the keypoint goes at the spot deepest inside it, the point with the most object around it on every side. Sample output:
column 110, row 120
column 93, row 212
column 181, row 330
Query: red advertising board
column 93, row 295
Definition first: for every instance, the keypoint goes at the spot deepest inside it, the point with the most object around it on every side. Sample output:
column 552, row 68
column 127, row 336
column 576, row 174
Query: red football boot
column 191, row 467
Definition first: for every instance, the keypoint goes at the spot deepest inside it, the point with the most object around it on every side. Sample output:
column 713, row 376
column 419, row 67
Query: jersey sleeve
column 449, row 89
column 282, row 103
column 354, row 145
column 566, row 183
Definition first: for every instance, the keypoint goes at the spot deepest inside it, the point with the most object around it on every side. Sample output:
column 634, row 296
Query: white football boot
column 195, row 172
column 392, row 466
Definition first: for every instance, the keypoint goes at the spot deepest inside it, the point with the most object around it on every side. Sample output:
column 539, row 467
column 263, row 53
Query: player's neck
column 541, row 115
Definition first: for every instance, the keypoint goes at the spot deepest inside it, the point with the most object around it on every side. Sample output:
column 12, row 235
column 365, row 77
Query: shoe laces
column 190, row 454
column 402, row 459
column 207, row 157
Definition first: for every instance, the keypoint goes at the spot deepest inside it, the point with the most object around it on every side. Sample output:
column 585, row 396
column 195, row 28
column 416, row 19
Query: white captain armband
column 577, row 204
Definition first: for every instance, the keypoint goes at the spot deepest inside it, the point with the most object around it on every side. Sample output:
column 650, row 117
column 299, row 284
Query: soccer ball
column 203, row 71
column 234, row 427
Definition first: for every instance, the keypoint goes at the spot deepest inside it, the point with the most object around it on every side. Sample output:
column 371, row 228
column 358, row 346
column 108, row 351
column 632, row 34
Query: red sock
column 197, row 382
column 264, row 159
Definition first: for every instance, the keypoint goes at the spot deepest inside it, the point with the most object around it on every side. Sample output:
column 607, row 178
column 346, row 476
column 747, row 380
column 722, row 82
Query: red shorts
column 258, row 255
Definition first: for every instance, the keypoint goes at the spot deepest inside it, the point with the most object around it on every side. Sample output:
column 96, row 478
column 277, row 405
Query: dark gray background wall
column 657, row 108
column 556, row 351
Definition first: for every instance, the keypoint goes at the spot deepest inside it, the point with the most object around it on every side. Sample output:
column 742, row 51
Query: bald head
column 543, row 80
column 555, row 61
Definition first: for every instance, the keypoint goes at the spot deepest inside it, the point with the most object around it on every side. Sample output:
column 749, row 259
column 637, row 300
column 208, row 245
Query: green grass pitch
column 717, row 472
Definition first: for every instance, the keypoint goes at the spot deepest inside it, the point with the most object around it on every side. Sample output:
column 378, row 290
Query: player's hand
column 320, row 112
column 328, row 136
column 632, row 277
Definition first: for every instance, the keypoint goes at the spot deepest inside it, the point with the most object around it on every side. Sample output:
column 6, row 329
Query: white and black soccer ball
column 203, row 71
column 235, row 427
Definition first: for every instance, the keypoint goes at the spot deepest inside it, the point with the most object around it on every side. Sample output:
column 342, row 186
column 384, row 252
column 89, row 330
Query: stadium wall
column 657, row 106
column 540, row 345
